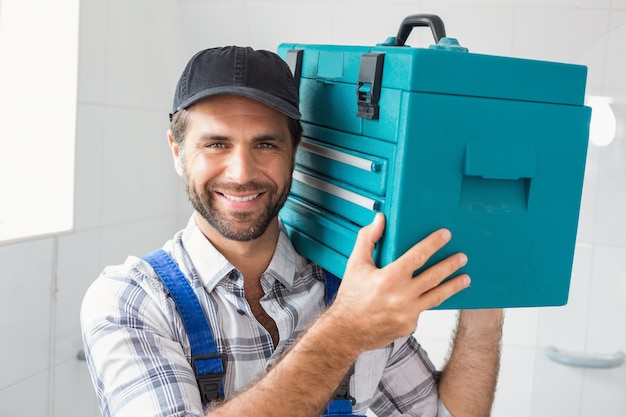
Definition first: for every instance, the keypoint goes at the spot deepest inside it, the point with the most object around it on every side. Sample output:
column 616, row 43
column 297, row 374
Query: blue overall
column 208, row 364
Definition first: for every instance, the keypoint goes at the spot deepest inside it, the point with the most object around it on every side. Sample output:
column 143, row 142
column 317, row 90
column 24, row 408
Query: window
column 38, row 85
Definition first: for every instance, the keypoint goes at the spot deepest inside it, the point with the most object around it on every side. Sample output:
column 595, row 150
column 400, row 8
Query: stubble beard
column 241, row 226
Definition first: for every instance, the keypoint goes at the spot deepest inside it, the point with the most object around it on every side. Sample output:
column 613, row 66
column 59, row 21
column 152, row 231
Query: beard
column 240, row 226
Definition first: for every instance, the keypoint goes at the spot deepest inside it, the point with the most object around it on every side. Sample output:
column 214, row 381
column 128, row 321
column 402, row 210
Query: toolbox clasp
column 369, row 85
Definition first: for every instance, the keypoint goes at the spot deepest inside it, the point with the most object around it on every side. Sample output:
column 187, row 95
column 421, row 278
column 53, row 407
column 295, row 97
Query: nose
column 241, row 166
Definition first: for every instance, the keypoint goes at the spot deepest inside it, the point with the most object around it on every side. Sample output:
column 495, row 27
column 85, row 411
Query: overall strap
column 341, row 404
column 332, row 286
column 208, row 364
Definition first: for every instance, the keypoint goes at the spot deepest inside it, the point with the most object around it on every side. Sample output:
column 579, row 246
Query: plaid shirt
column 138, row 352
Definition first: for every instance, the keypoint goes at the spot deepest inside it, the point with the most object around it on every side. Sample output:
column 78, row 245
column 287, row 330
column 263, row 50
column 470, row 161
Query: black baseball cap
column 257, row 74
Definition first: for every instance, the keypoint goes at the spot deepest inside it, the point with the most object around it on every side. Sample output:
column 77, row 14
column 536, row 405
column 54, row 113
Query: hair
column 180, row 120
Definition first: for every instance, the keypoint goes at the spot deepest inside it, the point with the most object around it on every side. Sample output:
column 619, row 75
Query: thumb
column 367, row 238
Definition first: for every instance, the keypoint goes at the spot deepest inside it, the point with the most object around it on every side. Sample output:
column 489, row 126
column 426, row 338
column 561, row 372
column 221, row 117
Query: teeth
column 241, row 199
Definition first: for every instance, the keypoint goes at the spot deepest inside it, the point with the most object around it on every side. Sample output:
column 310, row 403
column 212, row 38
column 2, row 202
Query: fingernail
column 467, row 281
column 445, row 234
column 462, row 259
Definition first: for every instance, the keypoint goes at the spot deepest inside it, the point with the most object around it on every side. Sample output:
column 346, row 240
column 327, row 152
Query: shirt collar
column 283, row 264
column 211, row 266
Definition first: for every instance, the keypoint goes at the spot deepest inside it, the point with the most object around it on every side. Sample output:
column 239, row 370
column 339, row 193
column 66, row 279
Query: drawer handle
column 355, row 161
column 332, row 189
column 581, row 360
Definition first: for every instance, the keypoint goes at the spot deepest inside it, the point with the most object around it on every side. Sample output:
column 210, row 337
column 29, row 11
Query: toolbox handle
column 433, row 21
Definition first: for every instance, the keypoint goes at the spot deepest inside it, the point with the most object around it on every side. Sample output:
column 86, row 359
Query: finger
column 366, row 240
column 417, row 256
column 438, row 272
column 437, row 295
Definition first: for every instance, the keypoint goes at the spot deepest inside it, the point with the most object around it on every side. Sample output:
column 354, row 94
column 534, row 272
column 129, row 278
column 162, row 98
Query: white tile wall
column 73, row 391
column 611, row 199
column 26, row 318
column 607, row 313
column 604, row 393
column 616, row 62
column 129, row 200
column 94, row 24
column 566, row 327
column 212, row 32
column 136, row 165
column 514, row 391
column 494, row 20
column 317, row 24
column 88, row 183
column 79, row 260
column 28, row 397
column 565, row 4
column 619, row 4
column 142, row 53
column 557, row 389
column 558, row 34
column 27, row 276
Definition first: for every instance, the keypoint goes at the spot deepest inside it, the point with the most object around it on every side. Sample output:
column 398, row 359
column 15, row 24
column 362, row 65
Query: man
column 233, row 136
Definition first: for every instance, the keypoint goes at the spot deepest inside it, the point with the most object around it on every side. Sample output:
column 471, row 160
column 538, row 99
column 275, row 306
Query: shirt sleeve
column 132, row 347
column 409, row 385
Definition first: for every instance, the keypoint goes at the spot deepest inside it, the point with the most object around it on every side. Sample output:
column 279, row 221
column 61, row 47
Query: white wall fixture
column 581, row 360
column 603, row 122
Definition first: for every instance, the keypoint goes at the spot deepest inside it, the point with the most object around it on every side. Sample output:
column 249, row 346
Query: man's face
column 237, row 161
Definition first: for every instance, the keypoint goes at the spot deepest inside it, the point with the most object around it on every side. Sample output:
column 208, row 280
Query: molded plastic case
column 492, row 148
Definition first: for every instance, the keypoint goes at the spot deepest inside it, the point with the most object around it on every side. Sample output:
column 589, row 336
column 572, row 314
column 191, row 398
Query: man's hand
column 373, row 308
column 377, row 306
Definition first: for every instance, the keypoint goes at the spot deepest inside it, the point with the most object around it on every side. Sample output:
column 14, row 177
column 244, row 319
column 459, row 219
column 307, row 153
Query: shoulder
column 127, row 294
column 118, row 281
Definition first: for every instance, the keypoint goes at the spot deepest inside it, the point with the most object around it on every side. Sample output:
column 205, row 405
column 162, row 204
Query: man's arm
column 468, row 380
column 302, row 382
column 373, row 308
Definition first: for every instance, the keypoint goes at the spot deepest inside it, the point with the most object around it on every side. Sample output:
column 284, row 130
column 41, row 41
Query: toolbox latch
column 294, row 61
column 369, row 84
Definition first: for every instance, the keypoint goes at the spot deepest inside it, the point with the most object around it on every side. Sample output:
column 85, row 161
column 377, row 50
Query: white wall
column 129, row 200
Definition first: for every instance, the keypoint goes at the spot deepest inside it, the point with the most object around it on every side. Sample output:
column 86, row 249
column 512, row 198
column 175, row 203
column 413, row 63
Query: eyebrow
column 280, row 138
column 277, row 138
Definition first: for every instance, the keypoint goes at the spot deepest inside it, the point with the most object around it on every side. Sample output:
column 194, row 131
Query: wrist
column 339, row 335
column 482, row 317
column 483, row 322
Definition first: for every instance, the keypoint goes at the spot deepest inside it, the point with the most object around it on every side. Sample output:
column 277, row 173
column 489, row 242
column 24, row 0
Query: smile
column 241, row 199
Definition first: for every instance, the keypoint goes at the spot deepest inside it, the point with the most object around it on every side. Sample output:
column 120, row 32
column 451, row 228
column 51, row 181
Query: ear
column 293, row 157
column 176, row 152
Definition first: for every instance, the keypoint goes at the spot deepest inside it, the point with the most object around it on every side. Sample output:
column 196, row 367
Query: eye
column 266, row 145
column 214, row 145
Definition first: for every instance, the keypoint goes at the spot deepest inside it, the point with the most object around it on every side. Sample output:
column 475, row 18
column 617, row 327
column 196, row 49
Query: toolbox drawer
column 354, row 205
column 319, row 236
column 363, row 171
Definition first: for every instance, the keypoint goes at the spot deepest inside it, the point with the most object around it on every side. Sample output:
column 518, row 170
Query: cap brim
column 276, row 103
